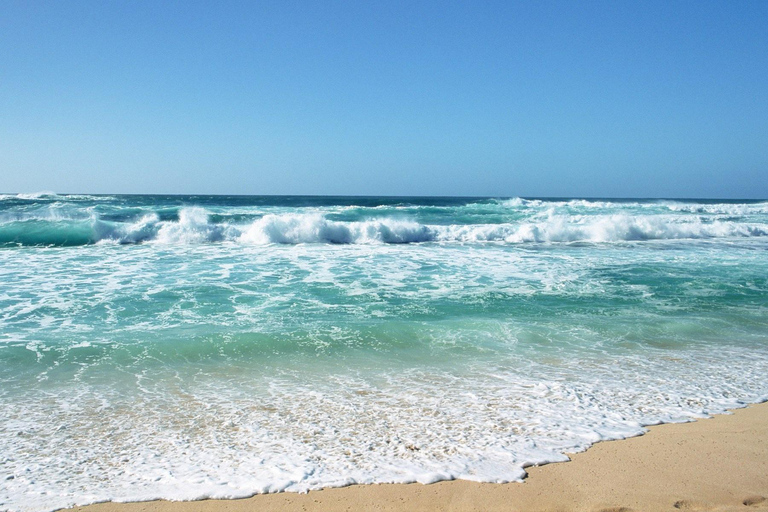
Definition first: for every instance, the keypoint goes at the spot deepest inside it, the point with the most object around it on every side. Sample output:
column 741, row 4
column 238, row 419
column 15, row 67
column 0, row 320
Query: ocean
column 191, row 347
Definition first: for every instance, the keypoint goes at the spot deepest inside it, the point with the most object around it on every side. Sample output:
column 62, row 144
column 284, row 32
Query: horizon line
column 390, row 196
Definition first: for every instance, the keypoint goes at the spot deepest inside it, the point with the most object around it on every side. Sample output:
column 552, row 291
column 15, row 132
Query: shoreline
column 717, row 463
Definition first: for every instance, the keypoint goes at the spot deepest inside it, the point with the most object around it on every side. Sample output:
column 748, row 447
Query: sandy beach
column 719, row 463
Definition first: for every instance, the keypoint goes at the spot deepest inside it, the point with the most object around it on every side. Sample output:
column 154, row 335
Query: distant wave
column 33, row 195
column 669, row 205
column 194, row 226
column 52, row 196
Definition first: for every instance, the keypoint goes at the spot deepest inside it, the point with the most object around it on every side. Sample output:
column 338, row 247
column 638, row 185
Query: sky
column 576, row 99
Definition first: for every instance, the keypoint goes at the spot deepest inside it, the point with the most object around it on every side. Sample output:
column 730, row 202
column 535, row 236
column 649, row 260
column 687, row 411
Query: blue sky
column 632, row 99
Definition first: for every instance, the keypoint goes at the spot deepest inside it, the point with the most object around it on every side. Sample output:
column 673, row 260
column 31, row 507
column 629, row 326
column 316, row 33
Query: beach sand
column 712, row 464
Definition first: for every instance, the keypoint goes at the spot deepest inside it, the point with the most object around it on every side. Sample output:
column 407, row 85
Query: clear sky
column 632, row 99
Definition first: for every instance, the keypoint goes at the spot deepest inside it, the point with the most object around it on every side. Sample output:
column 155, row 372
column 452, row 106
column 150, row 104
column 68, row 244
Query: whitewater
column 192, row 347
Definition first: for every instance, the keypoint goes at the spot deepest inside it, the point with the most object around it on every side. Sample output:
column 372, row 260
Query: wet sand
column 712, row 464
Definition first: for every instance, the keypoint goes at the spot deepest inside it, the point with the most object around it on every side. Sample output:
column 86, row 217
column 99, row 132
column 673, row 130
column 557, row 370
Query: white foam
column 164, row 421
column 543, row 222
column 37, row 195
column 315, row 228
column 212, row 438
column 53, row 195
column 751, row 208
column 601, row 228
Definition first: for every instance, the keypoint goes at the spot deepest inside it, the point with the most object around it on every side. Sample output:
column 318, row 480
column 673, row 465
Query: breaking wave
column 47, row 195
column 194, row 226
column 753, row 208
column 605, row 228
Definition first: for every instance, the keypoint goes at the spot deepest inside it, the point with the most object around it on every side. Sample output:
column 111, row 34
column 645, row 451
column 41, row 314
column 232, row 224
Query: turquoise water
column 186, row 347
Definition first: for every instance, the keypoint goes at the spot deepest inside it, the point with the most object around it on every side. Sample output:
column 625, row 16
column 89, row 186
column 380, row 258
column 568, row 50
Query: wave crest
column 315, row 228
column 194, row 226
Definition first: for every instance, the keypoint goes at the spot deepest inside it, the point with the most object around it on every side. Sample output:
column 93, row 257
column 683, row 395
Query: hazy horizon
column 390, row 196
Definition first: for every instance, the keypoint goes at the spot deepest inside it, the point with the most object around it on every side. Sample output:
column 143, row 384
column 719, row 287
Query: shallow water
column 186, row 347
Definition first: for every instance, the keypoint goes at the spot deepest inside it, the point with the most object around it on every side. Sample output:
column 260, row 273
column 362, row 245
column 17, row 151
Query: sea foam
column 193, row 226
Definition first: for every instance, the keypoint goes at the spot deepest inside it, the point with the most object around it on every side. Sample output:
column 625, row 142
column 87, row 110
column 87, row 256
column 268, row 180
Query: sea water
column 190, row 347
